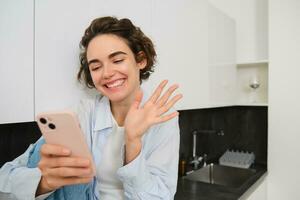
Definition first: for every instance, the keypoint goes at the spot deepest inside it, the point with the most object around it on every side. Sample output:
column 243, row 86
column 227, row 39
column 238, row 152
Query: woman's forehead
column 106, row 44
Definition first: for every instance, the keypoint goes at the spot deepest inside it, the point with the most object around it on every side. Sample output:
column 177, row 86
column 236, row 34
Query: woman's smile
column 115, row 83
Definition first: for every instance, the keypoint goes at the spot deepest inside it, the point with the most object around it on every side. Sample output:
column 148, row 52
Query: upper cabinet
column 222, row 57
column 180, row 36
column 17, row 66
column 196, row 49
column 251, row 17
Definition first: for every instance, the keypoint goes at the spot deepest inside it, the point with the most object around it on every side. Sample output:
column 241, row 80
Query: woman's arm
column 153, row 173
column 17, row 179
column 140, row 118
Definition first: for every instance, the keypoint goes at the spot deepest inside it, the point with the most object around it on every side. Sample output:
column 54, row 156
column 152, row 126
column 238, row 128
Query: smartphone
column 63, row 128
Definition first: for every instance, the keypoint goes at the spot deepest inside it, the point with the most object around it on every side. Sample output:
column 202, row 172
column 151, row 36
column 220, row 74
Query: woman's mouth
column 115, row 84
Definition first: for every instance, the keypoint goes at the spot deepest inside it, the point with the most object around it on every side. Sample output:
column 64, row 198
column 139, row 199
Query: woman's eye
column 95, row 68
column 118, row 61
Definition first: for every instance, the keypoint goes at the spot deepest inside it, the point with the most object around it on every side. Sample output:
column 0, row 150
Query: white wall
column 251, row 27
column 284, row 98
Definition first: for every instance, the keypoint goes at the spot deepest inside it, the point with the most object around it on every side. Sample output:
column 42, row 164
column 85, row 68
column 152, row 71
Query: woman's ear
column 141, row 60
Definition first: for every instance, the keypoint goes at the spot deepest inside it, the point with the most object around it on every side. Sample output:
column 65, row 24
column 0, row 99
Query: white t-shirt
column 110, row 187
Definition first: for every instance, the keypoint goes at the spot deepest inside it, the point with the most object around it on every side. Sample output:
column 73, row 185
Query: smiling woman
column 133, row 136
column 140, row 45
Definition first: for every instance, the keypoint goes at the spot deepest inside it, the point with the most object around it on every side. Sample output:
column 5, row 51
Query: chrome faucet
column 198, row 159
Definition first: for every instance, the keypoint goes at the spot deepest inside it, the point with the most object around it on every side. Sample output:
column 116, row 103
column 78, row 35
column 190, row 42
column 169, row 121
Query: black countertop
column 192, row 190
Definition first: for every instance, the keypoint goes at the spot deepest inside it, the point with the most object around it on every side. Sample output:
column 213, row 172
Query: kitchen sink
column 221, row 175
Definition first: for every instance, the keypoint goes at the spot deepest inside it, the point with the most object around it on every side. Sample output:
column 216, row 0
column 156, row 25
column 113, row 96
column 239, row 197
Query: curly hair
column 136, row 40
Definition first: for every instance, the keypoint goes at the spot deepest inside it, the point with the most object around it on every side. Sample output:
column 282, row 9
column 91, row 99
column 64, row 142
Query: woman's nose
column 108, row 72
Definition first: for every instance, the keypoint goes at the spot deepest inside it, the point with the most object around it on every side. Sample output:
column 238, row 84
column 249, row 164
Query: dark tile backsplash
column 245, row 129
column 15, row 139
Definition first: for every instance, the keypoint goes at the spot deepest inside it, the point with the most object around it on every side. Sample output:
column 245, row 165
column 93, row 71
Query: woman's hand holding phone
column 60, row 168
column 65, row 157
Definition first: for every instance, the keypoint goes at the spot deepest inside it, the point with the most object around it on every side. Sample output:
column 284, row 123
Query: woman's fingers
column 50, row 149
column 59, row 168
column 64, row 162
column 158, row 91
column 167, row 117
column 166, row 96
column 54, row 183
column 64, row 172
column 165, row 108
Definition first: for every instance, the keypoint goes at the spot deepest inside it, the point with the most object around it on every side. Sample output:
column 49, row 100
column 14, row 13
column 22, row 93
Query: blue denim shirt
column 151, row 175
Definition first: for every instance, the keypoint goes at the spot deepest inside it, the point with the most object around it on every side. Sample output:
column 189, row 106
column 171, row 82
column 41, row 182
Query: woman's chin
column 115, row 96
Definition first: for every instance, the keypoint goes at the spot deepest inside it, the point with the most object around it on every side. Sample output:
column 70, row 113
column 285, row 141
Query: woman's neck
column 120, row 109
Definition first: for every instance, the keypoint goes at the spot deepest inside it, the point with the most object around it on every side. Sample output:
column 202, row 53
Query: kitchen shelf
column 259, row 62
column 252, row 104
column 245, row 72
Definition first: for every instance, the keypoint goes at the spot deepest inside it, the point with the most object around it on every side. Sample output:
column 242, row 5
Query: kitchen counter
column 192, row 190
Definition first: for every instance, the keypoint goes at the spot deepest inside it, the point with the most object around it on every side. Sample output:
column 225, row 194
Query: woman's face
column 113, row 67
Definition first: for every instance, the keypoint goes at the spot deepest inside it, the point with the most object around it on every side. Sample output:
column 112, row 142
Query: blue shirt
column 151, row 175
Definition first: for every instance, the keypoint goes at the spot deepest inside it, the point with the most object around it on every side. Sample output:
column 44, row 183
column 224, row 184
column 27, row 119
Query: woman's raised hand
column 139, row 119
column 59, row 168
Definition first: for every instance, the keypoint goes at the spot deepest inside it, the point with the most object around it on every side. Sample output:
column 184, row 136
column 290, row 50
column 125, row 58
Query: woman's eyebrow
column 116, row 53
column 93, row 61
column 109, row 56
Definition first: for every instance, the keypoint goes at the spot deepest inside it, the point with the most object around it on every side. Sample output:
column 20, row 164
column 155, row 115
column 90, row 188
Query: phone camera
column 43, row 120
column 51, row 126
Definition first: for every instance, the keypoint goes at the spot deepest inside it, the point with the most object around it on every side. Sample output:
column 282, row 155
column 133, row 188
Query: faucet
column 198, row 159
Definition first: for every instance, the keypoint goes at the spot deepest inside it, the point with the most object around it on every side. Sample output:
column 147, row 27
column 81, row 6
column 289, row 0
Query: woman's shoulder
column 88, row 103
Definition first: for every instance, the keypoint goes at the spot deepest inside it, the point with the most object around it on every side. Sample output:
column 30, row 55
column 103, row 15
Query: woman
column 134, row 137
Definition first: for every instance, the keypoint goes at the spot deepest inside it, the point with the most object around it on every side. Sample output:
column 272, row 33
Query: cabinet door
column 180, row 36
column 260, row 192
column 59, row 28
column 16, row 55
column 222, row 57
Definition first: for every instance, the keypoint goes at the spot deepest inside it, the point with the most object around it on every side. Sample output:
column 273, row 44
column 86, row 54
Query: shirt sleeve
column 153, row 173
column 43, row 196
column 19, row 181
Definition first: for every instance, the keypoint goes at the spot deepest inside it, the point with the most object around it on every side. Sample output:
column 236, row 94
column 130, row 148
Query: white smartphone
column 63, row 128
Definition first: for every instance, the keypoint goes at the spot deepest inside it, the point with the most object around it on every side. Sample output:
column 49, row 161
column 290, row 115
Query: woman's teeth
column 116, row 83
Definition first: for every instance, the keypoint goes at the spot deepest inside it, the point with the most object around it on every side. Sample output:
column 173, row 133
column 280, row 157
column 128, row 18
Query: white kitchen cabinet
column 187, row 51
column 180, row 35
column 222, row 57
column 258, row 191
column 251, row 17
column 59, row 28
column 17, row 66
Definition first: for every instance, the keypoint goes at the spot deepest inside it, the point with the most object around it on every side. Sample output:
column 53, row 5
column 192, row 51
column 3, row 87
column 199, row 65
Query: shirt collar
column 103, row 114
